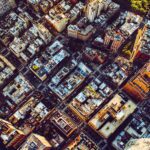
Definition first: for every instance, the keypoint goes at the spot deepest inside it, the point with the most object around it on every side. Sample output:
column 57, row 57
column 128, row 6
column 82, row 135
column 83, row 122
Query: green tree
column 140, row 5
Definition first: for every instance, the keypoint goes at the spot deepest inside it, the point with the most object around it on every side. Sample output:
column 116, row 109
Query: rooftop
column 73, row 81
column 112, row 115
column 18, row 89
column 90, row 98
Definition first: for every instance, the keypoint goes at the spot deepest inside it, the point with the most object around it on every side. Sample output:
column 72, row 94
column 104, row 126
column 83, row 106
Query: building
column 17, row 89
column 64, row 72
column 95, row 55
column 5, row 107
column 94, row 8
column 73, row 1
column 82, row 142
column 98, row 41
column 41, row 70
column 112, row 115
column 49, row 60
column 34, row 4
column 75, row 12
column 137, row 128
column 135, row 144
column 26, row 46
column 31, row 114
column 35, row 142
column 10, row 136
column 59, row 22
column 121, row 30
column 82, row 30
column 41, row 5
column 6, row 5
column 18, row 23
column 7, row 70
column 62, row 14
column 63, row 122
column 118, row 71
column 57, row 15
column 141, row 49
column 51, row 133
column 91, row 10
column 138, row 87
column 90, row 98
column 21, row 23
column 106, row 15
column 114, row 40
column 72, row 81
column 43, row 32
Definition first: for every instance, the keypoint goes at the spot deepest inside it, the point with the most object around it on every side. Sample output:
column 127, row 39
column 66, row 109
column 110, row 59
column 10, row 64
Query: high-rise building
column 94, row 8
column 141, row 49
column 6, row 5
column 91, row 10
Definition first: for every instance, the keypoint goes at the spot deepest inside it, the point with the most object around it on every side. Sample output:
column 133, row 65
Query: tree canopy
column 140, row 5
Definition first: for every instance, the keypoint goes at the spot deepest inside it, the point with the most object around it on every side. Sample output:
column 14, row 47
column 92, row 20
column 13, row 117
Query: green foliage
column 128, row 53
column 127, row 50
column 140, row 5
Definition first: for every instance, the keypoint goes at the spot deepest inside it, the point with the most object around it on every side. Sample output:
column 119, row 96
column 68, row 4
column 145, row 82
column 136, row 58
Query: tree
column 140, row 5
